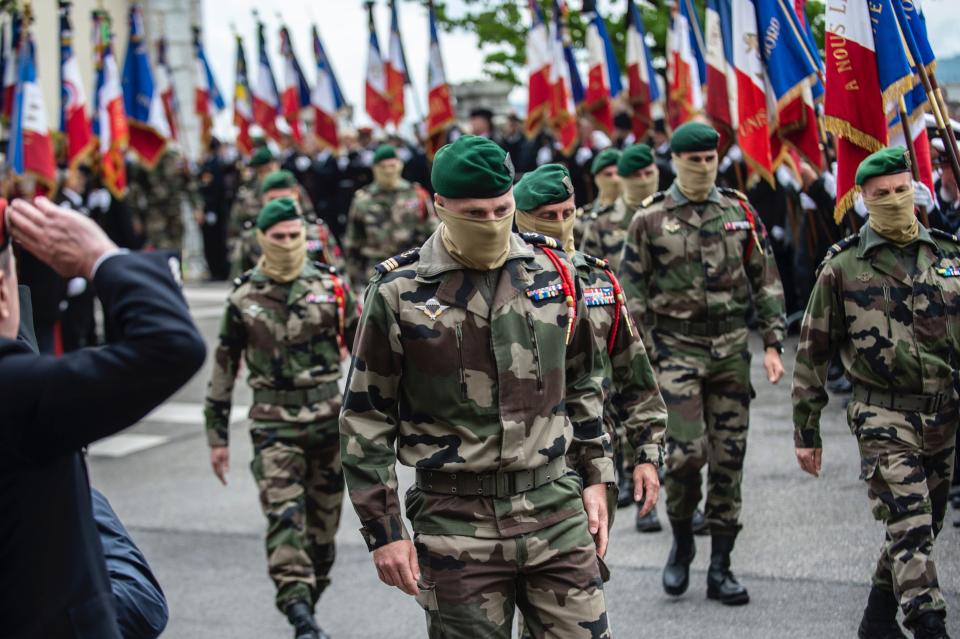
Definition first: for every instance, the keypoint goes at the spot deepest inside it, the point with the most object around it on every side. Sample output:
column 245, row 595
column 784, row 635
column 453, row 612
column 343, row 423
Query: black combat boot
column 700, row 526
column 676, row 574
column 300, row 615
column 721, row 584
column 648, row 523
column 880, row 616
column 930, row 625
column 625, row 487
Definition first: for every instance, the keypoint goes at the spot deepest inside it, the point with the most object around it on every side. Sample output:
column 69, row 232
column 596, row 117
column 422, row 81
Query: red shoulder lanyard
column 567, row 283
column 341, row 296
column 619, row 310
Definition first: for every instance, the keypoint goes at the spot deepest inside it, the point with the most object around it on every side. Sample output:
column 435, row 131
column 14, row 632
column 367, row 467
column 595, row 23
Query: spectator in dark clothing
column 139, row 601
column 216, row 212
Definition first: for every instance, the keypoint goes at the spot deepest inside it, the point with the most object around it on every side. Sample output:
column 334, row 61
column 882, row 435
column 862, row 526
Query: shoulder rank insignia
column 949, row 271
column 598, row 262
column 943, row 235
column 838, row 248
column 538, row 294
column 742, row 225
column 238, row 281
column 538, row 239
column 651, row 199
column 432, row 308
column 740, row 195
column 321, row 298
column 599, row 296
column 395, row 262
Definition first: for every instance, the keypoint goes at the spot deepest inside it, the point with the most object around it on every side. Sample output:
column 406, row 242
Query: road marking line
column 125, row 444
column 190, row 413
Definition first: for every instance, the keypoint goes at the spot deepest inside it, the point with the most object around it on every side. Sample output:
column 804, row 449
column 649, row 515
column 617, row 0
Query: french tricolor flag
column 149, row 130
column 110, row 123
column 74, row 120
column 603, row 76
column 164, row 86
column 563, row 111
column 539, row 58
column 10, row 68
column 686, row 69
column 266, row 98
column 296, row 91
column 721, row 78
column 376, row 97
column 242, row 105
column 396, row 68
column 642, row 81
column 853, row 101
column 440, row 113
column 753, row 132
column 325, row 98
column 31, row 148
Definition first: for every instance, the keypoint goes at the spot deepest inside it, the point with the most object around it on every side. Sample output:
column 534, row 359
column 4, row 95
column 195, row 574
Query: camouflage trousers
column 298, row 475
column 708, row 415
column 470, row 587
column 907, row 460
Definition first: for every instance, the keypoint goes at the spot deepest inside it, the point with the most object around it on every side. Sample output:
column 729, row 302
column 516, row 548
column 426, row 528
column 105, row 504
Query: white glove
column 922, row 197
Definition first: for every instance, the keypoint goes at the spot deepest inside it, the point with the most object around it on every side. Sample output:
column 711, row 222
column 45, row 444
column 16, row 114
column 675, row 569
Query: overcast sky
column 343, row 28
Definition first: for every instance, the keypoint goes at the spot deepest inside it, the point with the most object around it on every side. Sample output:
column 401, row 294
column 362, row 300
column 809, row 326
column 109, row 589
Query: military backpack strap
column 620, row 308
column 395, row 262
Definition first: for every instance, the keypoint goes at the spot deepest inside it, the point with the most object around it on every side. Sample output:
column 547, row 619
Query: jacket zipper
column 463, row 374
column 886, row 300
column 536, row 351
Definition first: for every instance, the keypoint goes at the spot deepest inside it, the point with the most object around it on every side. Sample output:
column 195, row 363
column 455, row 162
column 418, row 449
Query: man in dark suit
column 52, row 571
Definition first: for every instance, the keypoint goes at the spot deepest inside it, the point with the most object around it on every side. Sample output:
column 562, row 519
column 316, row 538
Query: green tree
column 501, row 27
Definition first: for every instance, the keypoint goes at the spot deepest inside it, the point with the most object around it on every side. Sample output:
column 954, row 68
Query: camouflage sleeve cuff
column 218, row 435
column 807, row 437
column 383, row 531
column 598, row 470
column 649, row 454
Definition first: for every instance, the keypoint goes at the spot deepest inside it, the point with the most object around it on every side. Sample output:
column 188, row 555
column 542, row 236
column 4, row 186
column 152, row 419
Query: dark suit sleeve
column 141, row 607
column 50, row 405
column 26, row 334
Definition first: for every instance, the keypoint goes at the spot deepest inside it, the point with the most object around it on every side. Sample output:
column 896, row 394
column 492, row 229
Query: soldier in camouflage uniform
column 386, row 217
column 168, row 185
column 322, row 246
column 247, row 204
column 888, row 300
column 288, row 319
column 638, row 175
column 475, row 363
column 604, row 171
column 696, row 258
column 633, row 408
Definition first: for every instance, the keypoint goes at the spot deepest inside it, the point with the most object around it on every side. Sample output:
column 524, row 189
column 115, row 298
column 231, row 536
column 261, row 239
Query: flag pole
column 914, row 167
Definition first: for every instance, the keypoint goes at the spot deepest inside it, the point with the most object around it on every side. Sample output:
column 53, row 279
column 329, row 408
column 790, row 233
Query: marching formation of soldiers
column 545, row 345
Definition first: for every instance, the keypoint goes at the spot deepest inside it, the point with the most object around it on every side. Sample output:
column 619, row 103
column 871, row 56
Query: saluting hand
column 70, row 243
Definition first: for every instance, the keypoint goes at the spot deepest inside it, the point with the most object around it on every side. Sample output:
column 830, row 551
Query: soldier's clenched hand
column 595, row 503
column 810, row 460
column 220, row 460
column 646, row 486
column 68, row 242
column 773, row 365
column 397, row 565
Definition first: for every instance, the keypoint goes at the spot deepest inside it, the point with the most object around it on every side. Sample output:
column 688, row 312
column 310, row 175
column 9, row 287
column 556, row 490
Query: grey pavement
column 806, row 551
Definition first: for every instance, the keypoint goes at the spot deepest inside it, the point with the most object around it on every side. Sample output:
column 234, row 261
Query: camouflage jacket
column 586, row 218
column 894, row 331
column 604, row 235
column 289, row 336
column 383, row 223
column 246, row 207
column 702, row 263
column 322, row 246
column 169, row 187
column 632, row 397
column 443, row 380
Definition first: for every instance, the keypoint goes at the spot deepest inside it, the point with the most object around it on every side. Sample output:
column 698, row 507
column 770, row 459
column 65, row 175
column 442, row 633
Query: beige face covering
column 608, row 187
column 561, row 230
column 282, row 262
column 893, row 217
column 387, row 176
column 637, row 189
column 481, row 245
column 695, row 179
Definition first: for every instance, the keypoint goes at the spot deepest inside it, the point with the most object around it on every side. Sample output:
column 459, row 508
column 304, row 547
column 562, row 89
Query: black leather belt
column 899, row 401
column 495, row 484
column 709, row 328
column 296, row 397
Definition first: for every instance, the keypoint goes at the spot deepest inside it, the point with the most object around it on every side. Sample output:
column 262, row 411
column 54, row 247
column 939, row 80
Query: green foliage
column 501, row 27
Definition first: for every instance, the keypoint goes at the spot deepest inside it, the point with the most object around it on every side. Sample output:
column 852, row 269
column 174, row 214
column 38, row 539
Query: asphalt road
column 806, row 552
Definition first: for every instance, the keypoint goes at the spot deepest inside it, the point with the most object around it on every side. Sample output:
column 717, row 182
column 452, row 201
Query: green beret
column 694, row 136
column 605, row 158
column 889, row 161
column 281, row 179
column 634, row 158
column 261, row 156
column 472, row 167
column 548, row 184
column 384, row 152
column 278, row 210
